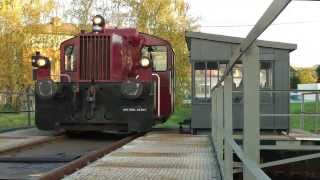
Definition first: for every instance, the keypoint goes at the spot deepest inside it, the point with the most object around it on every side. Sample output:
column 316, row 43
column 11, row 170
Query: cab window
column 70, row 58
column 158, row 55
column 159, row 58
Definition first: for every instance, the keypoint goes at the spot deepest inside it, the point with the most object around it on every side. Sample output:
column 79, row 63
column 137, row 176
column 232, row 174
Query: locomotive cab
column 111, row 80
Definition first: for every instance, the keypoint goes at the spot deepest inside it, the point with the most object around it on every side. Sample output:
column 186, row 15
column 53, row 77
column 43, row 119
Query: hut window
column 206, row 77
column 212, row 76
column 265, row 75
column 237, row 76
column 200, row 80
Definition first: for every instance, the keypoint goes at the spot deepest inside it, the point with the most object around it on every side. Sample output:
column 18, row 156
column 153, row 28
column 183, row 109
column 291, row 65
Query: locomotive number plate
column 134, row 109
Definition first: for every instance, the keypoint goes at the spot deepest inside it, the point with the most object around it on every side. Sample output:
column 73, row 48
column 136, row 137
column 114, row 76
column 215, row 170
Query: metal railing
column 224, row 144
column 16, row 110
column 300, row 109
column 222, row 128
column 305, row 113
column 222, row 135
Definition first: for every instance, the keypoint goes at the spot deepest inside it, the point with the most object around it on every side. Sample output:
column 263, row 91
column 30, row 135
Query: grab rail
column 158, row 93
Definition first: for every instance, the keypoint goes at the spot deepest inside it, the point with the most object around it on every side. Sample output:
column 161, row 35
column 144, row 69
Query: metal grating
column 156, row 156
column 94, row 57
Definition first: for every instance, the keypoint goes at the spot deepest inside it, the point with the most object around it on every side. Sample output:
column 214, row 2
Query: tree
column 318, row 73
column 115, row 11
column 15, row 68
column 294, row 81
column 306, row 75
column 80, row 13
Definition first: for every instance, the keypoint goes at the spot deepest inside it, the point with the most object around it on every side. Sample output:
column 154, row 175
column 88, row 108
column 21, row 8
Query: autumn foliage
column 16, row 16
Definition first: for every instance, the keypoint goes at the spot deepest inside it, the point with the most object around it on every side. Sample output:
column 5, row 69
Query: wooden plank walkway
column 156, row 155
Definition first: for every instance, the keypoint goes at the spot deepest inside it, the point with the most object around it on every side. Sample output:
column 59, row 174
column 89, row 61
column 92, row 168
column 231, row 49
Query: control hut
column 209, row 55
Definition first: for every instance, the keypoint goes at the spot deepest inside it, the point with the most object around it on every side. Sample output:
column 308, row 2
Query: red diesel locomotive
column 111, row 80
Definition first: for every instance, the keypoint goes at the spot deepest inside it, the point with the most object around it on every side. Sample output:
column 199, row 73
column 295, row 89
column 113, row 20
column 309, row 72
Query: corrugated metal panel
column 157, row 156
column 94, row 57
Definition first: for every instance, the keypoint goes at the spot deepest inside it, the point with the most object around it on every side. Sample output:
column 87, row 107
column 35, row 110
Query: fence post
column 251, row 124
column 302, row 112
column 317, row 111
column 228, row 155
column 29, row 107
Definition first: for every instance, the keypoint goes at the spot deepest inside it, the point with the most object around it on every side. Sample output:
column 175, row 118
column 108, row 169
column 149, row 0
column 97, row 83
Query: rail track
column 57, row 157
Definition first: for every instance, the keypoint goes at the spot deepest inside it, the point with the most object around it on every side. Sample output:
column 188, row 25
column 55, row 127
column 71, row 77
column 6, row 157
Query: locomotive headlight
column 41, row 62
column 97, row 20
column 98, row 23
column 144, row 62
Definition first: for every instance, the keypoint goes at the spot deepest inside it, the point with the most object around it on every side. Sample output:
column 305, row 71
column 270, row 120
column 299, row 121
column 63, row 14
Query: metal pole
column 228, row 155
column 302, row 112
column 29, row 107
column 251, row 125
column 317, row 111
column 213, row 115
column 220, row 125
column 214, row 119
column 315, row 119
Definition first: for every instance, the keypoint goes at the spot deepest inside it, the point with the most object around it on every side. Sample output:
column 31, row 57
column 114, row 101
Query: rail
column 77, row 164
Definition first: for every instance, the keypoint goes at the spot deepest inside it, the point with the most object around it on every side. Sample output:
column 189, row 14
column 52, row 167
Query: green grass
column 309, row 122
column 309, row 107
column 14, row 120
column 178, row 116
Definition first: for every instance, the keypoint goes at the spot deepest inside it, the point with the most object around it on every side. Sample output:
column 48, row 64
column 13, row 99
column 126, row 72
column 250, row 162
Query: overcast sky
column 299, row 23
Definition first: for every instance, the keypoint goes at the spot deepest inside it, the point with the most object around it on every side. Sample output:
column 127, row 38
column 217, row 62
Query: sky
column 299, row 23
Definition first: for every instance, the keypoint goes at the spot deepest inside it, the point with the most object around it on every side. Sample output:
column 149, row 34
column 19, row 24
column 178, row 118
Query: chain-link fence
column 16, row 110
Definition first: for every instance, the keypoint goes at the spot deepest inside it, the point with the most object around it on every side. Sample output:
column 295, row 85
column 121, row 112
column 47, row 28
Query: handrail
column 62, row 75
column 251, row 165
column 220, row 130
column 291, row 115
column 158, row 93
column 248, row 155
column 67, row 76
column 283, row 90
